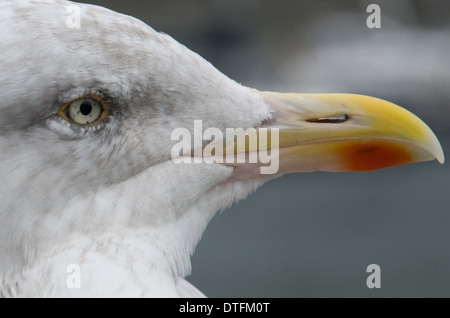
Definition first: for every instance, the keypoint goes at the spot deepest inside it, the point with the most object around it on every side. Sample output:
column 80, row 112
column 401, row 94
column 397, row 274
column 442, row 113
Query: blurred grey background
column 313, row 235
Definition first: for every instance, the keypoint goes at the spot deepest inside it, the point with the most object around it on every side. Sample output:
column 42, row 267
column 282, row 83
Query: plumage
column 107, row 196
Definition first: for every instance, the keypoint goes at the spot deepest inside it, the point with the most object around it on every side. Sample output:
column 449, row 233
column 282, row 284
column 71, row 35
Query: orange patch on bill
column 371, row 155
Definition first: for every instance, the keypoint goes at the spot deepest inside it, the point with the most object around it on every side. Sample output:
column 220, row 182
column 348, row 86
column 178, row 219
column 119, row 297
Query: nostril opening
column 330, row 120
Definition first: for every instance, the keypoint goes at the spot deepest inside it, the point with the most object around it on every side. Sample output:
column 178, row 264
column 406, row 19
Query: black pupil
column 86, row 108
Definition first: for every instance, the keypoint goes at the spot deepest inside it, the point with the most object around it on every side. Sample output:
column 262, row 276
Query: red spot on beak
column 372, row 155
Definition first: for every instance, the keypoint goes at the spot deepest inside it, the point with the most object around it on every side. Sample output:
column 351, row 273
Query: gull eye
column 87, row 110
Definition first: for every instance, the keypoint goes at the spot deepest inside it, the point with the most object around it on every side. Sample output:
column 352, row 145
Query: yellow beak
column 344, row 132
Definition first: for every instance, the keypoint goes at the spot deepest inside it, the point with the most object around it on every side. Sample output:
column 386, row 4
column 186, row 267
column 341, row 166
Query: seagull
column 93, row 201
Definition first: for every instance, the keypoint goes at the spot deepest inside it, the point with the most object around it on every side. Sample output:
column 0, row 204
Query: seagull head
column 89, row 173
